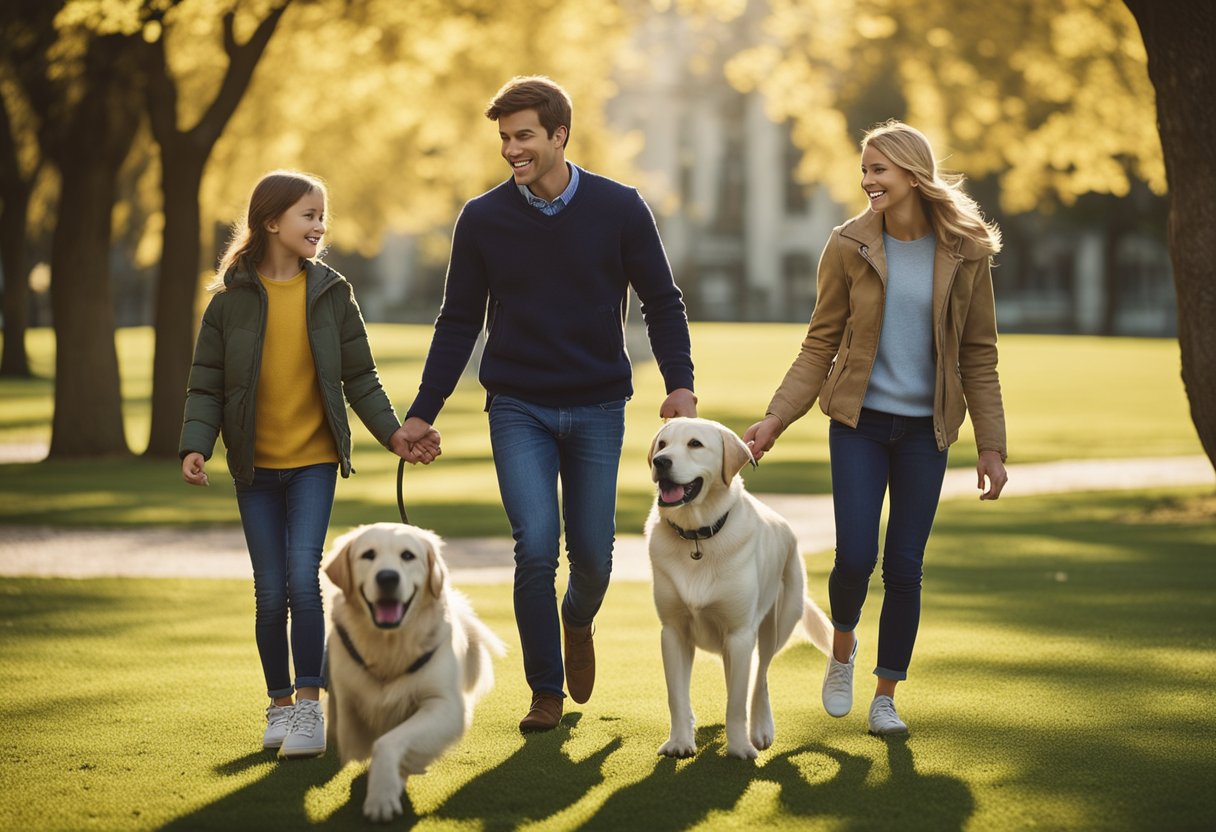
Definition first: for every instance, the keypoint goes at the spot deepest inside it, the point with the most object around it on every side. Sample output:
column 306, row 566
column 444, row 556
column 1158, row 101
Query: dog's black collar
column 697, row 535
column 418, row 664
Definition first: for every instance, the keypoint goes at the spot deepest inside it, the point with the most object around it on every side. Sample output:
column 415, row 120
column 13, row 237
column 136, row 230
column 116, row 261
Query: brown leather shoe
column 580, row 661
column 545, row 713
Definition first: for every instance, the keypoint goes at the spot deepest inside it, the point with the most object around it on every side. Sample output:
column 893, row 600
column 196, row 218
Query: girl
column 281, row 341
column 902, row 343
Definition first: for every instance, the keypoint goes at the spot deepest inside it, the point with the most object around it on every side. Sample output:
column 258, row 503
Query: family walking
column 901, row 344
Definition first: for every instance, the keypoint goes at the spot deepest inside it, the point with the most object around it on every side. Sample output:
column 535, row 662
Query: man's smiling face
column 537, row 159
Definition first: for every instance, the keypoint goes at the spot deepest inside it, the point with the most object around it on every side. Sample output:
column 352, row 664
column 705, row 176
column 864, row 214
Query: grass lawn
column 1066, row 398
column 1062, row 681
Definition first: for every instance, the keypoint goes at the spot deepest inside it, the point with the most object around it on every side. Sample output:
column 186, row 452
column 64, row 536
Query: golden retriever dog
column 407, row 657
column 728, row 578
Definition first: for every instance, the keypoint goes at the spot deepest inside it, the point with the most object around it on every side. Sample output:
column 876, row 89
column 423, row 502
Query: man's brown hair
column 534, row 92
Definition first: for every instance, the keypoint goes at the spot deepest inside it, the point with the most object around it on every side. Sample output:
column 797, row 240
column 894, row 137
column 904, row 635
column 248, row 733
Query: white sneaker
column 278, row 717
column 838, row 684
column 306, row 733
column 883, row 719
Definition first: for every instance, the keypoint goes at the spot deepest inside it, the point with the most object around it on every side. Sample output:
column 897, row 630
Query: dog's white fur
column 746, row 592
column 402, row 720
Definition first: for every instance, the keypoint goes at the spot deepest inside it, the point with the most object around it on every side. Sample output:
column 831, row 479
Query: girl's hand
column 761, row 436
column 192, row 469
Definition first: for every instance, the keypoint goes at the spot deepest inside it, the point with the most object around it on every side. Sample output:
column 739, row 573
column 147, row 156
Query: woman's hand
column 192, row 469
column 990, row 466
column 761, row 436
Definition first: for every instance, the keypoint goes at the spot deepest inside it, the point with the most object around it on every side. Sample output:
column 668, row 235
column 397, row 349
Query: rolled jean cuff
column 279, row 693
column 893, row 675
column 844, row 628
column 310, row 682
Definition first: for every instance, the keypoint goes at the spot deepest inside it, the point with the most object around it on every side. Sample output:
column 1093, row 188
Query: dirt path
column 168, row 552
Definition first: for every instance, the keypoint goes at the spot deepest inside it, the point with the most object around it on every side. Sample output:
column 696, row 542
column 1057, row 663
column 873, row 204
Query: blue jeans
column 285, row 513
column 535, row 446
column 883, row 452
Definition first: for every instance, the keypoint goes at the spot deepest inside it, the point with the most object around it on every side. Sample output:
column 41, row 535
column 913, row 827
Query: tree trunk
column 175, row 292
column 14, row 212
column 14, row 361
column 1178, row 36
column 184, row 156
column 88, row 140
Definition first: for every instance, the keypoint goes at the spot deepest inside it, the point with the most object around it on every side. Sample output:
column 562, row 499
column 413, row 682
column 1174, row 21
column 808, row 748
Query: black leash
column 400, row 498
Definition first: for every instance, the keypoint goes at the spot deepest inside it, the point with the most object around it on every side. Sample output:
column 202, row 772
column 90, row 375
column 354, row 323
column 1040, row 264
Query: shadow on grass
column 814, row 781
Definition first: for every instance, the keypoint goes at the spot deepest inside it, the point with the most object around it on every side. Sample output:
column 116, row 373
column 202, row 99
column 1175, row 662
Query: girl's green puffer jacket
column 222, row 390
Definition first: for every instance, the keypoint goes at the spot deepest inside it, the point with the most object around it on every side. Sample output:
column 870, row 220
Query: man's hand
column 990, row 466
column 679, row 402
column 416, row 441
column 761, row 436
column 192, row 469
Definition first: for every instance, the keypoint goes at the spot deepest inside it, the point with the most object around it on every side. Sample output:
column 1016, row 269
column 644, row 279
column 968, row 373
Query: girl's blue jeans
column 535, row 447
column 883, row 453
column 285, row 513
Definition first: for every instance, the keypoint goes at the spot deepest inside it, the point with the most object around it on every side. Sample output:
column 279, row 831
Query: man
column 545, row 261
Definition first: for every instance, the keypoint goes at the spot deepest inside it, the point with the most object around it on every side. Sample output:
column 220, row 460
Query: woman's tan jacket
column 838, row 352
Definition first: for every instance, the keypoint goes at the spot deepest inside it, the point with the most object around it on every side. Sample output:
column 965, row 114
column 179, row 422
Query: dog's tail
column 817, row 625
column 484, row 645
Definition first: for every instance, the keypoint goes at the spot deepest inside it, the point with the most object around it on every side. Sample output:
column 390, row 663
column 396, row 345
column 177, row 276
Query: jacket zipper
column 343, row 462
column 938, row 427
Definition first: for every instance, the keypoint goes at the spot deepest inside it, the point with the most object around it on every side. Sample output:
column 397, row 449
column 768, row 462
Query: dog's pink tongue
column 673, row 494
column 389, row 612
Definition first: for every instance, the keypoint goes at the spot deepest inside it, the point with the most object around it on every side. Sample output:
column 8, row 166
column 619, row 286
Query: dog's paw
column 678, row 748
column 763, row 732
column 744, row 751
column 384, row 790
column 381, row 808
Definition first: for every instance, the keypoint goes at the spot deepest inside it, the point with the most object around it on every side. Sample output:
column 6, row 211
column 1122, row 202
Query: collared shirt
column 550, row 208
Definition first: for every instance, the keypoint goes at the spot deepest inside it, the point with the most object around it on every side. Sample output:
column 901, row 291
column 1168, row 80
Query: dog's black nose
column 662, row 463
column 387, row 579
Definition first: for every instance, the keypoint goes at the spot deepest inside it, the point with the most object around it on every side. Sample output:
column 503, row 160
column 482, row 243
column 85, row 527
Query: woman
column 902, row 343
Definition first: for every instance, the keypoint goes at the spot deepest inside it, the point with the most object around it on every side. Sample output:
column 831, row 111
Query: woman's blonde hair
column 275, row 193
column 953, row 213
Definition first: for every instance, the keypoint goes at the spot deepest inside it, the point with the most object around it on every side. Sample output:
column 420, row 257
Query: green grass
column 1062, row 681
column 1066, row 397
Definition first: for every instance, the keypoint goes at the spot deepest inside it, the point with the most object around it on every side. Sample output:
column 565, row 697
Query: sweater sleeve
column 461, row 318
column 663, row 309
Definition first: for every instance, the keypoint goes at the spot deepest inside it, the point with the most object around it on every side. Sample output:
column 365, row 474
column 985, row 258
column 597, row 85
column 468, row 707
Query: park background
column 1068, row 640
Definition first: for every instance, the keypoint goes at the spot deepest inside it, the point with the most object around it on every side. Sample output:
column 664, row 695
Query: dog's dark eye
column 407, row 555
column 662, row 444
column 370, row 554
column 695, row 443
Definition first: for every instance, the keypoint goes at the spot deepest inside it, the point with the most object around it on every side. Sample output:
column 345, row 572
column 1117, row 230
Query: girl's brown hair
column 954, row 214
column 275, row 193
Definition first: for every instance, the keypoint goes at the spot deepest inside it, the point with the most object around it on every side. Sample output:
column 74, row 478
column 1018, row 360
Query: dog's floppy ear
column 735, row 454
column 436, row 569
column 653, row 444
column 338, row 566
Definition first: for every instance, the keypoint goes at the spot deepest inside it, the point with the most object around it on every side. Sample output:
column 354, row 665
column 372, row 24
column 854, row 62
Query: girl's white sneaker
column 306, row 733
column 278, row 717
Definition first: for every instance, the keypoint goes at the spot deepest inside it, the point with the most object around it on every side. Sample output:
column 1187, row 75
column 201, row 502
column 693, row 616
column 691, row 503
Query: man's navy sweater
column 552, row 293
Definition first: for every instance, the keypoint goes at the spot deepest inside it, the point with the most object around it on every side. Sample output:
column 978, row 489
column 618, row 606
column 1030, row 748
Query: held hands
column 761, row 436
column 679, row 402
column 416, row 441
column 192, row 469
column 990, row 466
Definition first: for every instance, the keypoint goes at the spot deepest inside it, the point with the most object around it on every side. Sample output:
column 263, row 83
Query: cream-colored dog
column 728, row 578
column 407, row 657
